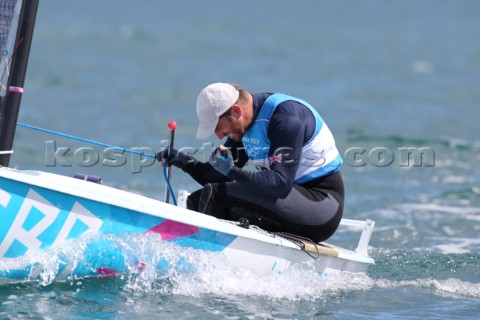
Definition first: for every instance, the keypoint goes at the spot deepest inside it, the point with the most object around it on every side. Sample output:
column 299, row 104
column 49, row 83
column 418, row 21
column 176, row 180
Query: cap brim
column 206, row 129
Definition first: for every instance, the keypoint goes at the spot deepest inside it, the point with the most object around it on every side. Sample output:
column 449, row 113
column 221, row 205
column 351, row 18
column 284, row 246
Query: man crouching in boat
column 298, row 188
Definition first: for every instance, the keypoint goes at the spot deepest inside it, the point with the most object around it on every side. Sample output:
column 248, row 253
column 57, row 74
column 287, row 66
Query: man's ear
column 236, row 111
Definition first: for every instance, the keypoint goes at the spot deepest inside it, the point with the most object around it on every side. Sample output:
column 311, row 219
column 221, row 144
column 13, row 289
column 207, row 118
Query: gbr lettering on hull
column 29, row 236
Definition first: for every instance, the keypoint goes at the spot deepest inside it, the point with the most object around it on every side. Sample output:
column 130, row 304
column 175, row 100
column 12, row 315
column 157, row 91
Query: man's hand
column 177, row 158
column 221, row 160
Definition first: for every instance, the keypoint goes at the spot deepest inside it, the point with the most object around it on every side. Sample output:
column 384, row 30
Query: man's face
column 231, row 127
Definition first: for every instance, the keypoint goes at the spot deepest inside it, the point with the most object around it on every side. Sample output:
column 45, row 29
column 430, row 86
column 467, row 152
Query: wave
column 451, row 287
column 467, row 213
column 355, row 135
column 196, row 273
column 428, row 268
column 151, row 265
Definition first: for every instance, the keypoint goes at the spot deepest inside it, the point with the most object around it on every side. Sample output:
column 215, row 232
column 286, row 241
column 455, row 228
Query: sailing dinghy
column 41, row 212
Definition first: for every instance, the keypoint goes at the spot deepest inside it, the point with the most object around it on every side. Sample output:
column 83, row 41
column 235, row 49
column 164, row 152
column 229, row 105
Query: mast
column 10, row 104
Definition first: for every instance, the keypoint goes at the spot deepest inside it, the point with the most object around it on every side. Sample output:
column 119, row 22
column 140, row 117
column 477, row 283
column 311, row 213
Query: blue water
column 385, row 76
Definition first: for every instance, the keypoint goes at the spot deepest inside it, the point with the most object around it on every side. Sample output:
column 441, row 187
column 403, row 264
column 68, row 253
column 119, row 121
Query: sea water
column 397, row 82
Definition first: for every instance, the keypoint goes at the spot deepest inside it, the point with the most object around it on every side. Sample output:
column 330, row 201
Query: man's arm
column 287, row 133
column 203, row 172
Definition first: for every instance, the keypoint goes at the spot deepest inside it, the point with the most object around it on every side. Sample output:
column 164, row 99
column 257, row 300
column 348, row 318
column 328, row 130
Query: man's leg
column 313, row 212
column 211, row 200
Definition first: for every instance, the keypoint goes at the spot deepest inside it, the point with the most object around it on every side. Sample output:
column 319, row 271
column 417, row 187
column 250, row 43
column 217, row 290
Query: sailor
column 297, row 189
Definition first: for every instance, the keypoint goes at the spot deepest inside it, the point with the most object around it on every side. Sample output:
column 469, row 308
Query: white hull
column 41, row 210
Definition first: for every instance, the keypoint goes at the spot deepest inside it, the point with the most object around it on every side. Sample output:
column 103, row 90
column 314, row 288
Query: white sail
column 9, row 17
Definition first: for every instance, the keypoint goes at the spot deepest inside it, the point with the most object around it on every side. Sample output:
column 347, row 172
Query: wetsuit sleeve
column 287, row 133
column 240, row 157
column 203, row 172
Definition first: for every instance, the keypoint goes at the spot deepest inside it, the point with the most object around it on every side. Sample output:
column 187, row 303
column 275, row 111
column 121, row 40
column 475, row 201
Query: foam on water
column 295, row 284
column 458, row 245
column 168, row 269
column 468, row 213
column 449, row 287
column 196, row 273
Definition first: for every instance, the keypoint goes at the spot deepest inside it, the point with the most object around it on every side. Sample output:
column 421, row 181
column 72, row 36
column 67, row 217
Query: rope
column 103, row 145
column 300, row 242
column 168, row 182
column 84, row 140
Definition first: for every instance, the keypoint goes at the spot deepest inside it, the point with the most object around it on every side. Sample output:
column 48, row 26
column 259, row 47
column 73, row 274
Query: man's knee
column 210, row 200
column 193, row 199
column 205, row 202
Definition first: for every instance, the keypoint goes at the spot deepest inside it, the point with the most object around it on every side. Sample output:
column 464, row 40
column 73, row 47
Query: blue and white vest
column 320, row 156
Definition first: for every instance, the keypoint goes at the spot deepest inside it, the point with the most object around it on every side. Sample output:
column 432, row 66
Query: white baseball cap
column 213, row 101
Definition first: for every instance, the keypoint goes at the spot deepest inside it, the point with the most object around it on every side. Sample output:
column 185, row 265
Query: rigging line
column 9, row 61
column 169, row 186
column 85, row 140
column 297, row 240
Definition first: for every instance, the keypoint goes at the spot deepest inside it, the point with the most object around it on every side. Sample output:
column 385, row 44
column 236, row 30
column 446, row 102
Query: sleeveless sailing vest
column 320, row 156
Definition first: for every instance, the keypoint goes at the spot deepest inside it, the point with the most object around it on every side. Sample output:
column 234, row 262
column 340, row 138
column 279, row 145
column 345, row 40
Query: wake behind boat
column 42, row 211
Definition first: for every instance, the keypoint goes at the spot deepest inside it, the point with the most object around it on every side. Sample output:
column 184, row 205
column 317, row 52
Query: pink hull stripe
column 106, row 272
column 171, row 229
